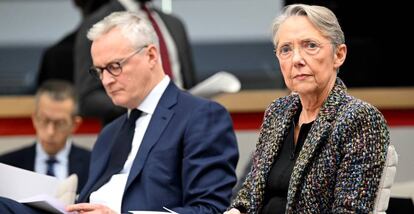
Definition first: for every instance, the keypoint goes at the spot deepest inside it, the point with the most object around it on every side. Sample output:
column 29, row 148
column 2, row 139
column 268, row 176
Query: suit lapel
column 75, row 159
column 99, row 165
column 273, row 132
column 159, row 121
column 317, row 137
column 30, row 160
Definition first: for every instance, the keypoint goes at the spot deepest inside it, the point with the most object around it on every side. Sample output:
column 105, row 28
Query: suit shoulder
column 355, row 115
column 13, row 156
column 169, row 17
column 359, row 108
column 80, row 149
column 282, row 104
column 194, row 101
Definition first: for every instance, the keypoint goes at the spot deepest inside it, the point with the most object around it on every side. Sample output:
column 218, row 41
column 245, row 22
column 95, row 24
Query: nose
column 297, row 55
column 107, row 78
column 50, row 129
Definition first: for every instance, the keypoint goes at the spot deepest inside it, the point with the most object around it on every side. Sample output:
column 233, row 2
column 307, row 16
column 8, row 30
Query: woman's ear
column 340, row 55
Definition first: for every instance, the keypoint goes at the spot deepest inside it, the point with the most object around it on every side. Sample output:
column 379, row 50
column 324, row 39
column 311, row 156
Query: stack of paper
column 37, row 190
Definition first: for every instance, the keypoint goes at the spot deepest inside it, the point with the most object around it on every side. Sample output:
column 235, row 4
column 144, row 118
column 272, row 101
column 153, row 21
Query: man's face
column 135, row 81
column 54, row 122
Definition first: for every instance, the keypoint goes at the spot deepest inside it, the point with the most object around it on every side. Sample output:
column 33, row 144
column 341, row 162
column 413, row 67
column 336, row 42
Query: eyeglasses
column 60, row 125
column 310, row 47
column 114, row 68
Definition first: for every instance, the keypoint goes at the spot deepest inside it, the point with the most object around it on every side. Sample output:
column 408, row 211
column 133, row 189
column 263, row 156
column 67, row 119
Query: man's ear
column 77, row 121
column 153, row 55
column 33, row 119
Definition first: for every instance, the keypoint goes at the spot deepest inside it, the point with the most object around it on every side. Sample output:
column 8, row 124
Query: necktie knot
column 50, row 166
column 133, row 116
column 120, row 149
column 51, row 160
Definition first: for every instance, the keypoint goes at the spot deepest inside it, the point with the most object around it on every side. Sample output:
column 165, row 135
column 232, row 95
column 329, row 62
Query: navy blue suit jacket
column 25, row 158
column 186, row 160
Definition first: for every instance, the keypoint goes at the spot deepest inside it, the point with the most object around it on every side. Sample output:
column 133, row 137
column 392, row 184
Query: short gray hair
column 132, row 26
column 321, row 17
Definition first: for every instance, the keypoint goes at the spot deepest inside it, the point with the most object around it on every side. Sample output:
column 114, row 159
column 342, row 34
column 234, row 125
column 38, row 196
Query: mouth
column 113, row 92
column 301, row 76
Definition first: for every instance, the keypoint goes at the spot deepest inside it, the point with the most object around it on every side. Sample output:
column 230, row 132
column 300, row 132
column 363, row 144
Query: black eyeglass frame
column 114, row 68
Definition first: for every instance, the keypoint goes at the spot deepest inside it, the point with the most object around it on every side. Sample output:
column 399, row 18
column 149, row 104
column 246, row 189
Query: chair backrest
column 387, row 179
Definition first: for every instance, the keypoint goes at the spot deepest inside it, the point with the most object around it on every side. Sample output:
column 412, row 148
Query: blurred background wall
column 231, row 35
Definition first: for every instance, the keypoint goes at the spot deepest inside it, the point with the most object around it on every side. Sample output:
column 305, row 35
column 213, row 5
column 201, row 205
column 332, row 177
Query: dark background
column 376, row 33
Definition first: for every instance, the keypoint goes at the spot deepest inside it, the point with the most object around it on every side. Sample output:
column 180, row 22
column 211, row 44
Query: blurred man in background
column 58, row 61
column 55, row 119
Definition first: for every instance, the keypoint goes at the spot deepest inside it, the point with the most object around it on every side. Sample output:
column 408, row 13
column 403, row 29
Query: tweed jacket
column 339, row 167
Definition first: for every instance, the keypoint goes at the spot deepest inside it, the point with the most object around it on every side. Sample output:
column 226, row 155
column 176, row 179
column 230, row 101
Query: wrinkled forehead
column 297, row 28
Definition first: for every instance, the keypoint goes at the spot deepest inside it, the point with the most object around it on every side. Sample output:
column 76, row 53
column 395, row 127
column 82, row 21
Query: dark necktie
column 163, row 46
column 120, row 149
column 51, row 166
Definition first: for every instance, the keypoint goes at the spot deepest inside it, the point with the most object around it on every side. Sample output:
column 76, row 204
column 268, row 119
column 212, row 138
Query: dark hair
column 58, row 90
column 89, row 6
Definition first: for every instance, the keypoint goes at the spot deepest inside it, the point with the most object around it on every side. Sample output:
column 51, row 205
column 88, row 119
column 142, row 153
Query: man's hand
column 86, row 208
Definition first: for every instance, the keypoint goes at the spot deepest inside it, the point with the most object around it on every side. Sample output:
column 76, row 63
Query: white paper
column 32, row 188
column 16, row 183
column 45, row 202
column 154, row 212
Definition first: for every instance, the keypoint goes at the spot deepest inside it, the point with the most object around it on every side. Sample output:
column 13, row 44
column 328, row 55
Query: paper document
column 37, row 190
column 45, row 202
column 154, row 212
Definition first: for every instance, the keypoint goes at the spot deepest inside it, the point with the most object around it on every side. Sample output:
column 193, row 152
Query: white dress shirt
column 111, row 193
column 61, row 167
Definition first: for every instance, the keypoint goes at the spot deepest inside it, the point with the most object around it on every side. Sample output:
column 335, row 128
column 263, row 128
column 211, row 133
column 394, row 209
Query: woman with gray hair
column 320, row 150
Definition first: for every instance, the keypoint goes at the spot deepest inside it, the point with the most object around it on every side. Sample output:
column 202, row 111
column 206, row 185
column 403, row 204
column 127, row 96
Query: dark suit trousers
column 8, row 206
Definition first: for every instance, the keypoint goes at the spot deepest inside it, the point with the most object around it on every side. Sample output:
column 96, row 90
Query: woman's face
column 307, row 58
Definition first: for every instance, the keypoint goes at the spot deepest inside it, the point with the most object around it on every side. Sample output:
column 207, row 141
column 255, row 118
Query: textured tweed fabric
column 339, row 167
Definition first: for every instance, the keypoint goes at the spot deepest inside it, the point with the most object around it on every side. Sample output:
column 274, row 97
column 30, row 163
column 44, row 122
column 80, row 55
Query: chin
column 119, row 102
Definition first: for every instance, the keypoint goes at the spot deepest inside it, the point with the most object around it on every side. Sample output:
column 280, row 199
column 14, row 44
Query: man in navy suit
column 93, row 99
column 54, row 119
column 184, row 151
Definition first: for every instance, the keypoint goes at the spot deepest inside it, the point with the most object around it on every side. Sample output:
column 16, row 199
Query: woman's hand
column 232, row 211
column 86, row 208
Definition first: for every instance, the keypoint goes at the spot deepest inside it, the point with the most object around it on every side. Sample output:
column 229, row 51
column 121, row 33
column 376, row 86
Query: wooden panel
column 247, row 101
column 16, row 106
column 258, row 100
